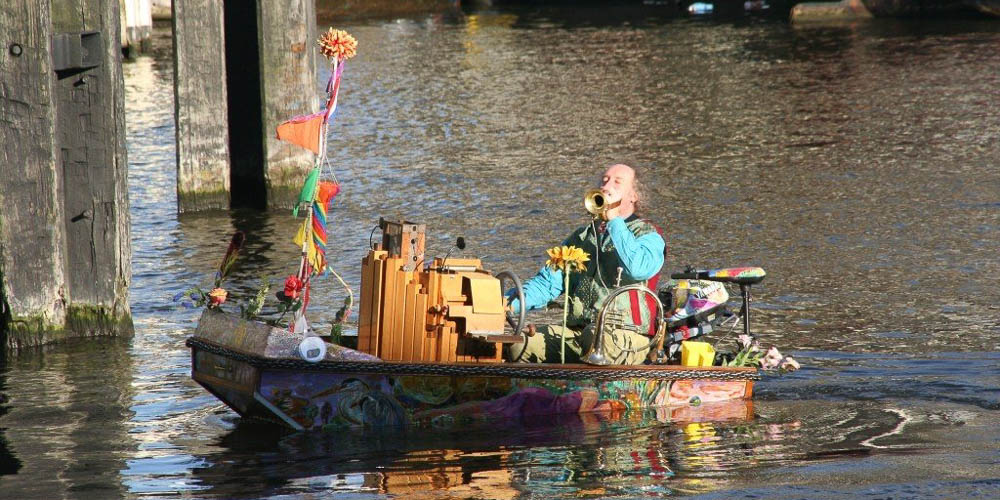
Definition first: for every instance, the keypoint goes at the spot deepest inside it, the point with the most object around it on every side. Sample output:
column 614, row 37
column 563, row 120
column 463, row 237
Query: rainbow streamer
column 332, row 89
column 316, row 225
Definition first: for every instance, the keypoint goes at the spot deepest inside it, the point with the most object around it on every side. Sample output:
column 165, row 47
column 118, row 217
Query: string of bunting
column 310, row 132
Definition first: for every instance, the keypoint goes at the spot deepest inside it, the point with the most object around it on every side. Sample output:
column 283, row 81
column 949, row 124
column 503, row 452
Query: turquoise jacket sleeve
column 641, row 257
column 541, row 289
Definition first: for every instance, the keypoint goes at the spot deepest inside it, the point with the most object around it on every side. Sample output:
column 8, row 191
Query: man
column 626, row 242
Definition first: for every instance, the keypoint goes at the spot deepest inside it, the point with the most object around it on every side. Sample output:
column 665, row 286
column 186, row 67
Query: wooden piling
column 240, row 69
column 200, row 107
column 64, row 220
column 136, row 26
column 287, row 43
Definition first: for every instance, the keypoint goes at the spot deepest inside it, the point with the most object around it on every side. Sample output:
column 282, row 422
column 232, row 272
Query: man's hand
column 614, row 209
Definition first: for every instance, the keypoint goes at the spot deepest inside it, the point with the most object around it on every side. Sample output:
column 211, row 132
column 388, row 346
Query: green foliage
column 251, row 311
column 748, row 356
column 199, row 298
column 337, row 333
column 344, row 311
column 286, row 306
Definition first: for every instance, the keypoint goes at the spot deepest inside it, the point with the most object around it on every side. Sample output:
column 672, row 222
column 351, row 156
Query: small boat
column 261, row 372
column 254, row 369
column 432, row 335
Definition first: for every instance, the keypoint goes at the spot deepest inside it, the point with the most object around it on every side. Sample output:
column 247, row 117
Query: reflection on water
column 9, row 464
column 617, row 452
column 67, row 424
column 693, row 451
column 854, row 163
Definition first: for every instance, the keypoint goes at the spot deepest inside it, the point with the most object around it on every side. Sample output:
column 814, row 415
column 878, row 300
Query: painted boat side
column 249, row 366
column 319, row 399
column 326, row 400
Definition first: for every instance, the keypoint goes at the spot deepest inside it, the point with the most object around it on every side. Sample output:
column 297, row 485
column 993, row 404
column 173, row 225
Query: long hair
column 640, row 190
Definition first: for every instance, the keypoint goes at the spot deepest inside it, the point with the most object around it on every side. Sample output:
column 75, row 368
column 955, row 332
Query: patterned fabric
column 737, row 274
column 315, row 225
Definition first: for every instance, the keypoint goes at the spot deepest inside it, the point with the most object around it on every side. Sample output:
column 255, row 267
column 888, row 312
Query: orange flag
column 303, row 131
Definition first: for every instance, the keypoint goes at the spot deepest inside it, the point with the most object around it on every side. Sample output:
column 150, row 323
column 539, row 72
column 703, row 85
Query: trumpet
column 597, row 204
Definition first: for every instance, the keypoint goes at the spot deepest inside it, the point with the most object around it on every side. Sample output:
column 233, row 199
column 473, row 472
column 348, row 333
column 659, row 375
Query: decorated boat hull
column 253, row 369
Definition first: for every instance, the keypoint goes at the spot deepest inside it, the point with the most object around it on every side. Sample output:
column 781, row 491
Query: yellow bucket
column 697, row 353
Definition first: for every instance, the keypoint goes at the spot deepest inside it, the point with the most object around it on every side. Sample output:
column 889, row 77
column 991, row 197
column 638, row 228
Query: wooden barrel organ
column 447, row 310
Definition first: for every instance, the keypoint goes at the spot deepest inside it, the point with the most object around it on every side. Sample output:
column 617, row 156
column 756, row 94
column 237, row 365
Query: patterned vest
column 589, row 288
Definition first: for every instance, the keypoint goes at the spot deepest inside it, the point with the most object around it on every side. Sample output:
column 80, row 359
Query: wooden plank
column 451, row 288
column 365, row 310
column 457, row 262
column 378, row 284
column 451, row 343
column 420, row 327
column 402, row 297
column 389, row 314
column 366, row 318
column 385, row 327
column 431, row 344
column 443, row 335
column 407, row 345
column 399, row 311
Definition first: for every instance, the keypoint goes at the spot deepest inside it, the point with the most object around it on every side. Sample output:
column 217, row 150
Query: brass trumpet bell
column 596, row 204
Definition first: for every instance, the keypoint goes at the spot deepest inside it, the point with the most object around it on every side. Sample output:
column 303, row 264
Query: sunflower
column 567, row 258
column 337, row 44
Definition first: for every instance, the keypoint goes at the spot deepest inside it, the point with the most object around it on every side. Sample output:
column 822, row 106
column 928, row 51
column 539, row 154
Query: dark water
column 857, row 163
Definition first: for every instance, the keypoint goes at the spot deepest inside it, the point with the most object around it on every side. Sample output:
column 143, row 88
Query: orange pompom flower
column 338, row 44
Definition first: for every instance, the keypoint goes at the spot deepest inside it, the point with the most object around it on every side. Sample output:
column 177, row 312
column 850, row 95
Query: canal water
column 857, row 163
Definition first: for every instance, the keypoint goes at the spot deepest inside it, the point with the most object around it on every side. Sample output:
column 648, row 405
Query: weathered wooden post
column 136, row 26
column 64, row 221
column 240, row 69
column 200, row 105
column 288, row 80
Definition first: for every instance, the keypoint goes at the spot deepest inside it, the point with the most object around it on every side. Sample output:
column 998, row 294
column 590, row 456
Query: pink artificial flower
column 747, row 342
column 771, row 359
column 789, row 364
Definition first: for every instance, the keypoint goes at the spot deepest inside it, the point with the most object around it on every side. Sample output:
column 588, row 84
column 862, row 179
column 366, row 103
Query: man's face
column 617, row 184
